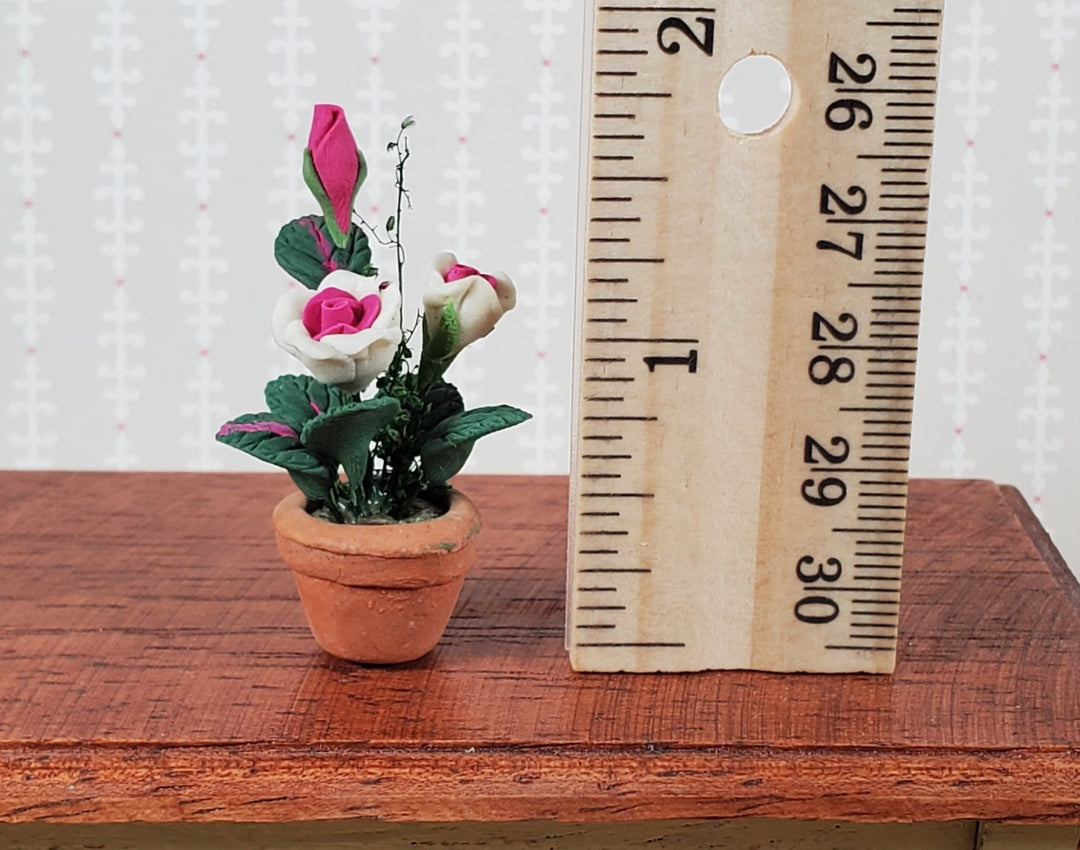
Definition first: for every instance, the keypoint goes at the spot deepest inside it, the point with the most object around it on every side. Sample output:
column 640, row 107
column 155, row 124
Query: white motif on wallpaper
column 289, row 198
column 545, row 301
column 375, row 123
column 203, row 266
column 119, row 193
column 464, row 228
column 26, row 261
column 1047, row 302
column 968, row 229
column 290, row 82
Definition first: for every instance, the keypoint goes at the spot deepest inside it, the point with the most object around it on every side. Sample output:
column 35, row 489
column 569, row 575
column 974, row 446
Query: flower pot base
column 376, row 625
column 377, row 594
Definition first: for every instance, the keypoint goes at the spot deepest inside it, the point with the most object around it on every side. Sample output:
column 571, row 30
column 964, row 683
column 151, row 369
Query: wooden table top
column 155, row 665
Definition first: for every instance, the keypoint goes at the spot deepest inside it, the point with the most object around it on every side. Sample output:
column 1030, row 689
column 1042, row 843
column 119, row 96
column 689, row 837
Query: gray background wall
column 150, row 152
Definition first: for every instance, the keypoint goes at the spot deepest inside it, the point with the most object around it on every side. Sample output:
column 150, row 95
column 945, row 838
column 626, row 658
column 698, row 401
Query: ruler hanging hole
column 755, row 95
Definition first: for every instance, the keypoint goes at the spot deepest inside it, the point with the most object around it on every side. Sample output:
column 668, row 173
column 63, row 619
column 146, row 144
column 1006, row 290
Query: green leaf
column 345, row 434
column 441, row 401
column 297, row 399
column 390, row 222
column 263, row 436
column 440, row 347
column 408, row 122
column 315, row 486
column 306, row 250
column 451, row 442
column 442, row 462
column 314, row 183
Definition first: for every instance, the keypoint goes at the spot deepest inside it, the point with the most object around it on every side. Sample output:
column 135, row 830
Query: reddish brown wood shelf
column 155, row 666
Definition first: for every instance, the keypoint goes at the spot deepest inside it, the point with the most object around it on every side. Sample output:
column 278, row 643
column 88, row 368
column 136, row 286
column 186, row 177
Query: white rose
column 346, row 332
column 479, row 299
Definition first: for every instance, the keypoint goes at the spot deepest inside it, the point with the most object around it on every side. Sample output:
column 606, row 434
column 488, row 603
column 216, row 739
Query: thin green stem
column 403, row 157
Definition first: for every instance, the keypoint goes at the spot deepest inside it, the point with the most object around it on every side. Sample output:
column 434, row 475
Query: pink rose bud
column 336, row 160
column 335, row 311
column 459, row 271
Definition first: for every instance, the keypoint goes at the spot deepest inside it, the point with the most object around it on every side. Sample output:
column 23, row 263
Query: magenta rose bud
column 459, row 272
column 334, row 311
column 333, row 169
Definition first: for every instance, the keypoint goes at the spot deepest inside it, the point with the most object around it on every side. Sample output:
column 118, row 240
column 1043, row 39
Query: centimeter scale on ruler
column 749, row 313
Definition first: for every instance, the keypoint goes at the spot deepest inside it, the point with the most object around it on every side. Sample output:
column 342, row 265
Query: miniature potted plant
column 378, row 540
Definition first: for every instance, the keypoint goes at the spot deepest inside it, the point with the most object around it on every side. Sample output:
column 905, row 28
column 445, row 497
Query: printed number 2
column 705, row 42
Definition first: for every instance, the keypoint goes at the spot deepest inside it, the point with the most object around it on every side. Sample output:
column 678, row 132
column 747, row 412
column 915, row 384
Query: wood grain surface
column 155, row 665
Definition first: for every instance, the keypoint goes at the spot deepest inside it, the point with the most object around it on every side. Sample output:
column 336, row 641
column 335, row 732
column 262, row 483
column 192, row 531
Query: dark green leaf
column 356, row 255
column 390, row 222
column 305, row 249
column 297, row 399
column 345, row 434
column 442, row 462
column 262, row 436
column 316, row 486
column 446, row 450
column 473, row 424
column 442, row 400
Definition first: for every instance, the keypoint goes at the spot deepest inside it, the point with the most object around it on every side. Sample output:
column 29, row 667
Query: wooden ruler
column 748, row 329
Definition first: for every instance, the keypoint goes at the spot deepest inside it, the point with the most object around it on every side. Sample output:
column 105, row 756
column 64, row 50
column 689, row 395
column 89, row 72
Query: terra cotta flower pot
column 377, row 594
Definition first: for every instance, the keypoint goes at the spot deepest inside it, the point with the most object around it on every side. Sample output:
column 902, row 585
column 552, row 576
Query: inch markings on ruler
column 749, row 310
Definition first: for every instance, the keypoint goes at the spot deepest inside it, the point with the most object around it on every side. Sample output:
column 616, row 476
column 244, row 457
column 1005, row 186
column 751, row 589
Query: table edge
column 289, row 783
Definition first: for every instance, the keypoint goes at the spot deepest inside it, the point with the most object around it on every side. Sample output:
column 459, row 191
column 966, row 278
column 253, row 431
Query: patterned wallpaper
column 151, row 149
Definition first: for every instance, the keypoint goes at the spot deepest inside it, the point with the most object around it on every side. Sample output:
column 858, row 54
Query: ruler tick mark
column 629, row 340
column 628, row 178
column 634, row 94
column 666, row 9
column 634, row 645
column 634, row 260
column 618, row 496
column 903, row 24
column 622, row 419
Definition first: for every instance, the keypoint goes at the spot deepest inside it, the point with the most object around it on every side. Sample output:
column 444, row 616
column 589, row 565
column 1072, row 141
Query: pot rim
column 442, row 535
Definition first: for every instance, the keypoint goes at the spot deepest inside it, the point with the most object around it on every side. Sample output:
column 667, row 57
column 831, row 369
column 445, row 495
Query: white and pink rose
column 479, row 300
column 346, row 332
